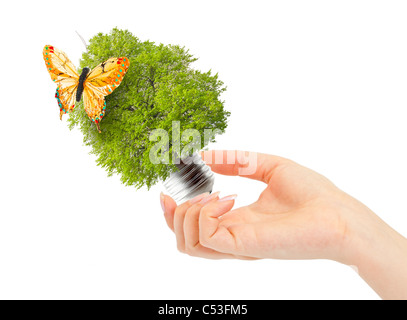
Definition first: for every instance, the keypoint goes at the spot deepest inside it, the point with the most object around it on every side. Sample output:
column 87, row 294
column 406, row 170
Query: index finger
column 252, row 165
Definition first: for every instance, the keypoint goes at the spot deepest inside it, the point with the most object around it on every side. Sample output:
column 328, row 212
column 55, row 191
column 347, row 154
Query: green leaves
column 160, row 87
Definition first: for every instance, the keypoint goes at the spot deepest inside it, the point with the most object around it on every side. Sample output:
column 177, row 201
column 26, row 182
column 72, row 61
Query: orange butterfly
column 94, row 85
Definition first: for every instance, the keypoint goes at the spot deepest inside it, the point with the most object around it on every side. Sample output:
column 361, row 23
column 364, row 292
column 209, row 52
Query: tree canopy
column 159, row 87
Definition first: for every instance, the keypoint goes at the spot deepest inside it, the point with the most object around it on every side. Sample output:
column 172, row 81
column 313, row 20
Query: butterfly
column 93, row 84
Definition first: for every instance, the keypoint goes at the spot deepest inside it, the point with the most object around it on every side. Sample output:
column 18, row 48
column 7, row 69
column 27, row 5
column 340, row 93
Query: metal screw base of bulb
column 193, row 177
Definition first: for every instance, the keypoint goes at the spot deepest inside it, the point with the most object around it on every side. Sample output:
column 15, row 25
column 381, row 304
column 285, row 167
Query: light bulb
column 193, row 177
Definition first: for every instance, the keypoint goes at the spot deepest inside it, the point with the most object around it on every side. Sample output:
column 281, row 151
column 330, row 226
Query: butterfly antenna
column 83, row 41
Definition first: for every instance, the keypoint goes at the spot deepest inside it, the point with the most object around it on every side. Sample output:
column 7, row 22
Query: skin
column 299, row 215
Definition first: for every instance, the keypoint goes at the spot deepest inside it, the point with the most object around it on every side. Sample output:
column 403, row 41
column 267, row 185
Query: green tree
column 160, row 87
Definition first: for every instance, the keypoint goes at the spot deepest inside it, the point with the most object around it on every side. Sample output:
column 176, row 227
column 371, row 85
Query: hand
column 299, row 215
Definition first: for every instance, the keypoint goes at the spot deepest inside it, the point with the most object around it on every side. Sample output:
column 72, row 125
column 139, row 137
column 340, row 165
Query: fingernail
column 228, row 198
column 209, row 198
column 162, row 201
column 198, row 197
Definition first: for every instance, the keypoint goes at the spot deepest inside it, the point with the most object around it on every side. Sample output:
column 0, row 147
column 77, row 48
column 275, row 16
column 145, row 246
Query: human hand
column 299, row 215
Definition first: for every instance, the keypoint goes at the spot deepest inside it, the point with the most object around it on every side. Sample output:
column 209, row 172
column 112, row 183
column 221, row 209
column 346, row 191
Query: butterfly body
column 82, row 77
column 93, row 85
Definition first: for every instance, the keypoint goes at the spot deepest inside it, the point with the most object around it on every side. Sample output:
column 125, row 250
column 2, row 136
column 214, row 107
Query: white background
column 321, row 82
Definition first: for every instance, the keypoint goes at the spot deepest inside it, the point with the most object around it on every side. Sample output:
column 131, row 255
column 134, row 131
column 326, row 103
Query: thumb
column 252, row 165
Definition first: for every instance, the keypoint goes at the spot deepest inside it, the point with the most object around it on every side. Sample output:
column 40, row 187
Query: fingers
column 186, row 219
column 179, row 217
column 192, row 245
column 168, row 205
column 251, row 165
column 211, row 233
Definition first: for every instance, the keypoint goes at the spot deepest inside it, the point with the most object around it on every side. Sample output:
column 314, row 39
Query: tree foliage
column 160, row 87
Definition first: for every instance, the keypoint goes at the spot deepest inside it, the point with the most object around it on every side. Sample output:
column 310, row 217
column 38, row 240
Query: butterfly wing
column 63, row 73
column 107, row 76
column 66, row 98
column 100, row 82
column 95, row 105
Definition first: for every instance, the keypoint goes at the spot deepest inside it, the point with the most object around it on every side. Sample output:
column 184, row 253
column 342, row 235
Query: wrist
column 378, row 252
